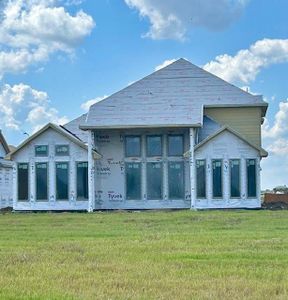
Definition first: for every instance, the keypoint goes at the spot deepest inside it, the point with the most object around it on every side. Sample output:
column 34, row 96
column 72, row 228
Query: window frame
column 205, row 179
column 47, row 170
column 183, row 145
column 28, row 182
column 81, row 198
column 184, row 181
column 230, row 181
column 221, row 197
column 125, row 180
column 125, row 145
column 41, row 155
column 61, row 145
column 68, row 181
column 256, row 181
column 161, row 141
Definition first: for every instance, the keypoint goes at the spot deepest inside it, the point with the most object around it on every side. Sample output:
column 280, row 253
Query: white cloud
column 247, row 63
column 22, row 107
column 165, row 64
column 279, row 146
column 280, row 126
column 30, row 31
column 170, row 19
column 275, row 167
column 86, row 105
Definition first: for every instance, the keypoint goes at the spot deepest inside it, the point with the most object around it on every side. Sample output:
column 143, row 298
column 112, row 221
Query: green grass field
column 144, row 255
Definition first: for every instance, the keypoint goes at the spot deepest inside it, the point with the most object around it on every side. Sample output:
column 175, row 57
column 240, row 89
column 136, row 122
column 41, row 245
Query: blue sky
column 57, row 55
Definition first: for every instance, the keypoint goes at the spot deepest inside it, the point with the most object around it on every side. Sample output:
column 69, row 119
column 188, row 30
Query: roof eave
column 93, row 127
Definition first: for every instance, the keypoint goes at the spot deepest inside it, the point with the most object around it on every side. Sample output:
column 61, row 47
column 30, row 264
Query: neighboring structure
column 276, row 201
column 178, row 138
column 6, row 171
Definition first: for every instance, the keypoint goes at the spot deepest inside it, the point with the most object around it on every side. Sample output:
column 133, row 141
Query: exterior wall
column 6, row 185
column 227, row 146
column 110, row 171
column 27, row 155
column 246, row 121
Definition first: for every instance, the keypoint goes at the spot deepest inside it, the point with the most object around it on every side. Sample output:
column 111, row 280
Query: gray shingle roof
column 172, row 96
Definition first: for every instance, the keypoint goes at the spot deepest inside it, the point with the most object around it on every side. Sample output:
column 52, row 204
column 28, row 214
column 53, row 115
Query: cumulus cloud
column 276, row 142
column 280, row 126
column 31, row 30
column 21, row 106
column 165, row 64
column 170, row 19
column 86, row 105
column 247, row 63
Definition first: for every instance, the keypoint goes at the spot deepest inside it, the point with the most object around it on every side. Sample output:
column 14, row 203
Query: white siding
column 227, row 146
column 27, row 154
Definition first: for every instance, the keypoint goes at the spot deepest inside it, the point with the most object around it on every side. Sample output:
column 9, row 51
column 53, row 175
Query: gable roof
column 263, row 153
column 170, row 97
column 73, row 127
column 61, row 130
column 4, row 143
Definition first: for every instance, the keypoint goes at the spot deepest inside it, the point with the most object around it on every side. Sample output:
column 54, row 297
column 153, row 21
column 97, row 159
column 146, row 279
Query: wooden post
column 192, row 167
column 91, row 172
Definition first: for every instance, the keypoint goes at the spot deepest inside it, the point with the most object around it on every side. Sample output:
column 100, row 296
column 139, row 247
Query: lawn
column 144, row 255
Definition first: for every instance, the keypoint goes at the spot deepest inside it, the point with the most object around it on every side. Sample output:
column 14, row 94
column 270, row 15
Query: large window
column 176, row 179
column 251, row 177
column 23, row 175
column 133, row 146
column 154, row 145
column 133, row 180
column 235, row 178
column 62, row 150
column 154, row 180
column 217, row 178
column 41, row 150
column 201, row 178
column 175, row 145
column 82, row 180
column 62, row 175
column 41, row 181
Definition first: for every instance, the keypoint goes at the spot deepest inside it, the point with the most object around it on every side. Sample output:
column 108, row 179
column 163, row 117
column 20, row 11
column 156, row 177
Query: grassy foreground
column 145, row 255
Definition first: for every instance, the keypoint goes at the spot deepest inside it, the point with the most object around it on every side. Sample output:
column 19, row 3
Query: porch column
column 192, row 167
column 91, row 172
